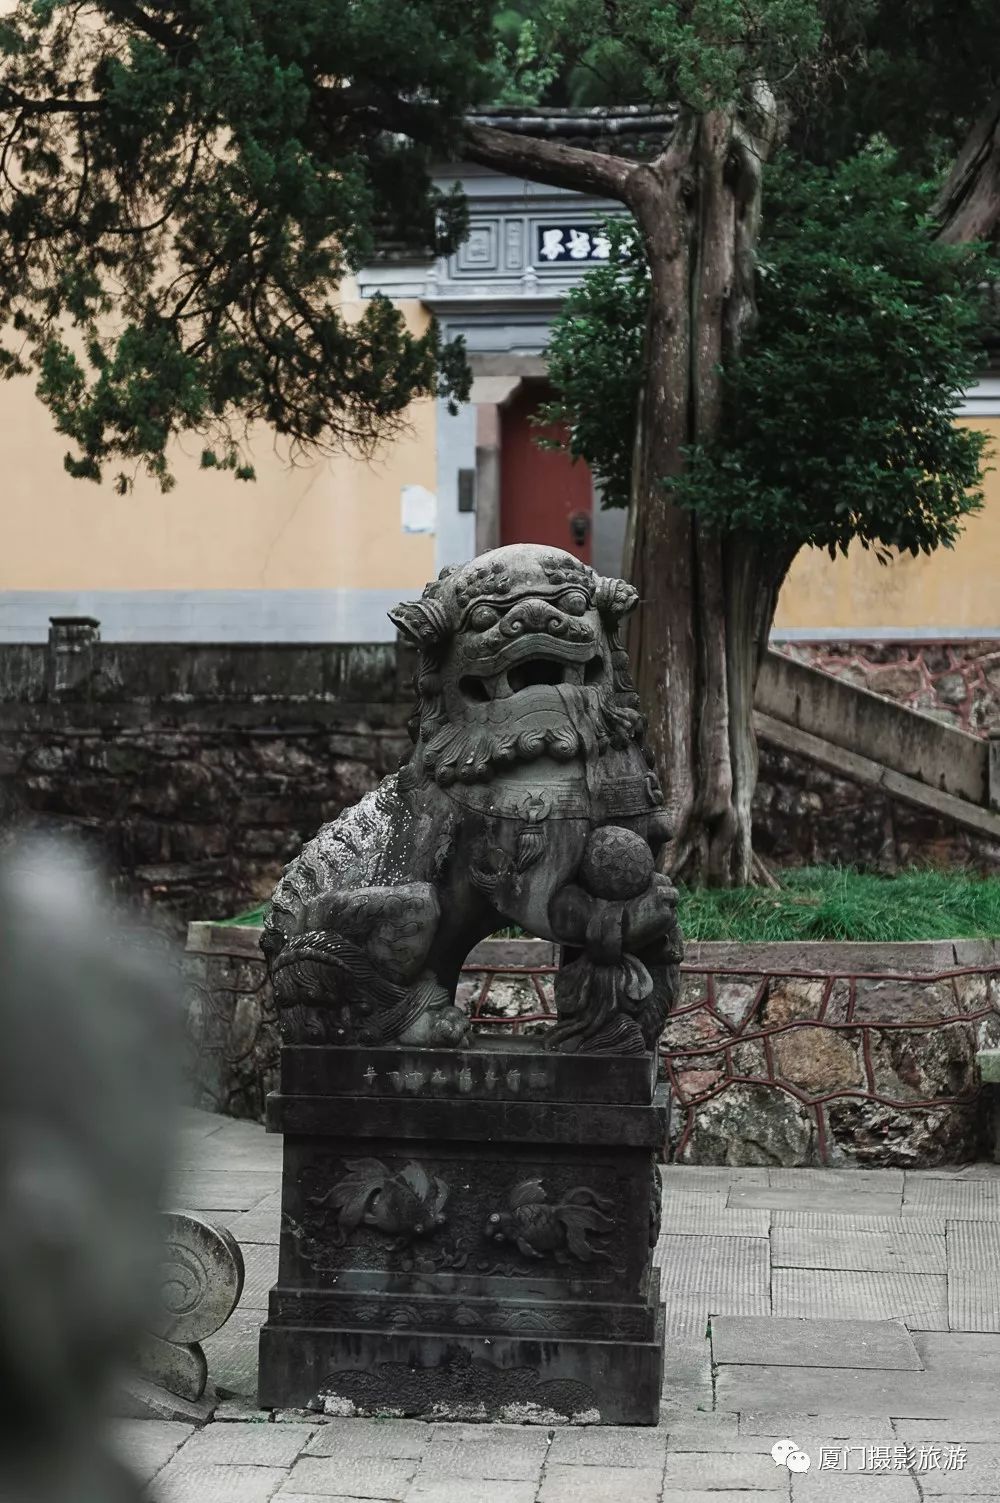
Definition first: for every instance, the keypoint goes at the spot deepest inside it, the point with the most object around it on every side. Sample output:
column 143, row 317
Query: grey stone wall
column 193, row 772
column 804, row 815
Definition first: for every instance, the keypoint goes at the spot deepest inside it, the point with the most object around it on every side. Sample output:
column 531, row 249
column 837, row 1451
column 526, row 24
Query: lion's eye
column 483, row 617
column 575, row 602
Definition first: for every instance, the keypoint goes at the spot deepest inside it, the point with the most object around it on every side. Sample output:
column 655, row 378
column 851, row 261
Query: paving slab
column 968, row 1431
column 907, row 1250
column 262, row 1224
column 834, row 1487
column 246, row 1444
column 973, row 1244
column 738, row 1265
column 221, row 1190
column 974, row 1299
column 687, row 1376
column 709, row 1177
column 135, row 1397
column 958, row 1353
column 710, row 1216
column 430, row 1488
column 864, row 1428
column 144, row 1446
column 395, row 1439
column 609, row 1445
column 723, row 1470
column 198, row 1124
column 217, row 1484
column 964, row 1470
column 771, row 1341
column 232, row 1354
column 492, row 1458
column 965, row 1200
column 815, row 1197
column 827, row 1221
column 706, row 1276
column 686, row 1495
column 927, row 1395
column 353, row 1476
column 245, row 1410
column 260, row 1261
column 577, row 1484
column 682, row 1437
column 919, row 1299
column 859, row 1181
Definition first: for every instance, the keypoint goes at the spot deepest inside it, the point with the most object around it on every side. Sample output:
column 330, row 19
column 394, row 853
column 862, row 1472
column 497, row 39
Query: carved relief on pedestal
column 566, row 1229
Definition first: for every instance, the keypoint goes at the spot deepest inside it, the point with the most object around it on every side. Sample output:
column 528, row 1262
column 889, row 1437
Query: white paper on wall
column 419, row 509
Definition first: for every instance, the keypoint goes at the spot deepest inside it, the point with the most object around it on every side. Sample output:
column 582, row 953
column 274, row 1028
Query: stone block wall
column 804, row 815
column 193, row 773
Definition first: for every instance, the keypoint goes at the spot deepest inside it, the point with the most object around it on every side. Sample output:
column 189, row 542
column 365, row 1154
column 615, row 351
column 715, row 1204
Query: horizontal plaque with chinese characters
column 571, row 242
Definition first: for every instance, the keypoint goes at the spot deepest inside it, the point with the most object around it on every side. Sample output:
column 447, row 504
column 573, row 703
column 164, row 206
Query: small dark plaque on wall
column 466, row 490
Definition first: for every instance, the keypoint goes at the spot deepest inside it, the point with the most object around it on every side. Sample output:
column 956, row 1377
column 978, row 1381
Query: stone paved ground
column 831, row 1308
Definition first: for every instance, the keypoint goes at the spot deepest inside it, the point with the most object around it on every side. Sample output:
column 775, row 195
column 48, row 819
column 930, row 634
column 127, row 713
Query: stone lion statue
column 529, row 798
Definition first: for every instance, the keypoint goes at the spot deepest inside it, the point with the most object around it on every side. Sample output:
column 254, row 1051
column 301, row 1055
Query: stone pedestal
column 467, row 1234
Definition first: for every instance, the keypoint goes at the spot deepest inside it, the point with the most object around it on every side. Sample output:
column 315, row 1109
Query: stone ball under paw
column 616, row 863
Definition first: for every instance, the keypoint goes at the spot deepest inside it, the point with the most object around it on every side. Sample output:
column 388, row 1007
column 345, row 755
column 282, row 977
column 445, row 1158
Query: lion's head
column 519, row 658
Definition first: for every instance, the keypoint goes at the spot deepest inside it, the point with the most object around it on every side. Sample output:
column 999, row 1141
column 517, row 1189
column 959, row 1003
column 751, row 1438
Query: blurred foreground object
column 88, row 1090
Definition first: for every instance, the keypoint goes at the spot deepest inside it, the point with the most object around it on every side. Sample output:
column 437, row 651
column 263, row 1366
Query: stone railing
column 784, row 1054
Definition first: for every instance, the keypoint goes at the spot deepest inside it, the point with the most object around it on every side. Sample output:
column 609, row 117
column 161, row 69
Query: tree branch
column 151, row 26
column 11, row 99
column 549, row 162
column 968, row 206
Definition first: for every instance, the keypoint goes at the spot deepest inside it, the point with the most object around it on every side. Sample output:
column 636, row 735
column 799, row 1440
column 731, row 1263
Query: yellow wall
column 333, row 524
column 337, row 525
column 954, row 587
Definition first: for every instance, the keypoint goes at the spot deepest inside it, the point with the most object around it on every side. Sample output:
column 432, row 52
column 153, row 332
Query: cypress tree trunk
column 707, row 600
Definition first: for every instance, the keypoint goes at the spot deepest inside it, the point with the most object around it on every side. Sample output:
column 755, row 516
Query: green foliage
column 839, row 412
column 187, row 187
column 700, row 53
column 832, row 903
column 916, row 72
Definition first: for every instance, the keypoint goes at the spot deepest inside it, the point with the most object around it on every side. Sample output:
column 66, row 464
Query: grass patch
column 835, row 903
column 829, row 903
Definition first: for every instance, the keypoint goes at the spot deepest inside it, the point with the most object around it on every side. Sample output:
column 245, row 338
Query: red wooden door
column 544, row 496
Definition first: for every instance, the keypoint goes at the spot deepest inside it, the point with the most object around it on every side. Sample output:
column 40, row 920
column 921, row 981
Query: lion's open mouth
column 541, row 670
